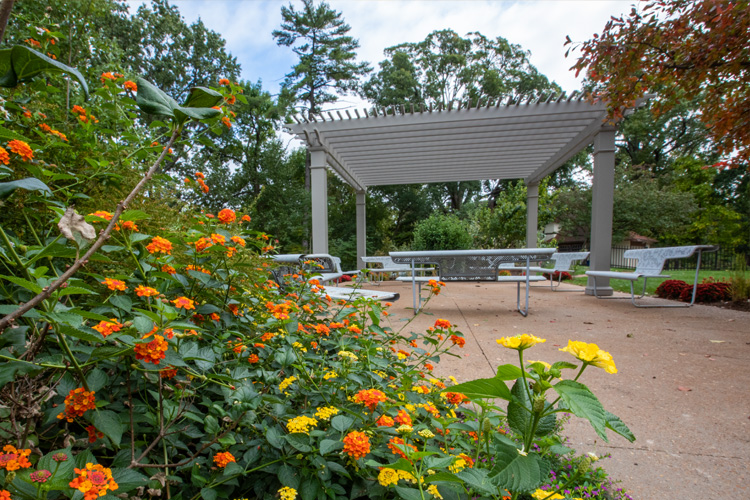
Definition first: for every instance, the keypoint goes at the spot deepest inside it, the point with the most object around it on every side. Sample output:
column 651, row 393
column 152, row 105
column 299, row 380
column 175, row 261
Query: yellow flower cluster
column 326, row 412
column 432, row 490
column 284, row 385
column 457, row 466
column 592, row 355
column 287, row 493
column 330, row 375
column 299, row 346
column 426, row 433
column 388, row 477
column 301, row 424
column 349, row 355
column 520, row 342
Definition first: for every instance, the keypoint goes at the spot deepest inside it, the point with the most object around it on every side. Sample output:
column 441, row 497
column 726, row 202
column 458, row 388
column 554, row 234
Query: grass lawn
column 686, row 276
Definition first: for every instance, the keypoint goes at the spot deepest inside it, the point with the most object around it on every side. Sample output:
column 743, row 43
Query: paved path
column 683, row 385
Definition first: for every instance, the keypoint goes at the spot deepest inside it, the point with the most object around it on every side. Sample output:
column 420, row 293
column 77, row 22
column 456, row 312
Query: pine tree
column 318, row 35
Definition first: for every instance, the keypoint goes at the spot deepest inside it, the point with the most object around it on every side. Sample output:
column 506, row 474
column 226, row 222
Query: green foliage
column 319, row 36
column 442, row 232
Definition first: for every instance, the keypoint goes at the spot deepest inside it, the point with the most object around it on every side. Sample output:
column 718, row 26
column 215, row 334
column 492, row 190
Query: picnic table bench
column 387, row 266
column 650, row 265
column 472, row 265
column 563, row 263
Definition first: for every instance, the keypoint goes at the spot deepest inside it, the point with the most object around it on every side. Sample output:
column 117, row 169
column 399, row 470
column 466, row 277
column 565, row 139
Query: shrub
column 442, row 232
column 561, row 275
column 708, row 291
column 672, row 289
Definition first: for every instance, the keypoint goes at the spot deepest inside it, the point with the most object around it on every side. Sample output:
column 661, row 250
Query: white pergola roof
column 514, row 140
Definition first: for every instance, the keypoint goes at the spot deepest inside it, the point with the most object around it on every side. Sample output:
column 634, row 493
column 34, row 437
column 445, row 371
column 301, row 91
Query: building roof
column 523, row 139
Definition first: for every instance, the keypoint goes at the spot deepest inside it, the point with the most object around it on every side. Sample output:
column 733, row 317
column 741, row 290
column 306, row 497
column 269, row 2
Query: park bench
column 650, row 264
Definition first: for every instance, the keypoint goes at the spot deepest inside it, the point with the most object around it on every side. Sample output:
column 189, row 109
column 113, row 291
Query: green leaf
column 615, row 424
column 299, row 441
column 438, row 462
column 202, row 97
column 121, row 302
column 153, row 100
column 96, row 379
column 408, row 493
column 182, row 114
column 309, row 489
column 64, row 469
column 483, row 388
column 477, row 480
column 134, row 215
column 288, row 476
column 508, row 372
column 28, row 285
column 73, row 290
column 329, row 445
column 582, row 403
column 28, row 184
column 76, row 333
column 142, row 324
column 341, row 422
column 338, row 469
column 109, row 423
column 444, row 477
column 128, row 479
column 206, row 493
column 517, row 472
column 25, row 63
column 519, row 419
column 9, row 135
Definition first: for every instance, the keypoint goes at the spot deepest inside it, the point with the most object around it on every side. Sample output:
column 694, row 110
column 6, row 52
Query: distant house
column 581, row 242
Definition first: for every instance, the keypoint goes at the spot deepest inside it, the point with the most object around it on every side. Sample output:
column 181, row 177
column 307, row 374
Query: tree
column 679, row 49
column 318, row 35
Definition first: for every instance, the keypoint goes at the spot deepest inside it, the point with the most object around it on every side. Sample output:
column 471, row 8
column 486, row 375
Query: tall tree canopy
column 679, row 49
column 319, row 37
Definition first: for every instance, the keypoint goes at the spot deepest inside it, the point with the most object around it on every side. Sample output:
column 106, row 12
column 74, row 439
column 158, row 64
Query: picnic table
column 473, row 265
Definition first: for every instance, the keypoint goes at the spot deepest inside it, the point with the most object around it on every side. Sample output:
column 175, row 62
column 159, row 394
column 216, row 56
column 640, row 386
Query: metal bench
column 387, row 266
column 650, row 264
column 563, row 263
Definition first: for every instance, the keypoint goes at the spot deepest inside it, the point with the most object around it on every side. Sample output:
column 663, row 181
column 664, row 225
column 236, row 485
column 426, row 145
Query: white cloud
column 537, row 25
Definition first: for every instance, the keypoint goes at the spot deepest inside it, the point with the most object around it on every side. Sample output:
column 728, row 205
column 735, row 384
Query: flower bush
column 165, row 357
column 558, row 275
column 707, row 291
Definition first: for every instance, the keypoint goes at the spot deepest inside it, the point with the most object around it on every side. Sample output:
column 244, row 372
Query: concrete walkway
column 683, row 385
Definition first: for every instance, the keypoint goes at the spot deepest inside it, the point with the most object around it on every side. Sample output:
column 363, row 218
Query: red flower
column 222, row 459
column 94, row 434
column 442, row 323
column 151, row 352
column 77, row 402
column 458, row 341
column 184, row 303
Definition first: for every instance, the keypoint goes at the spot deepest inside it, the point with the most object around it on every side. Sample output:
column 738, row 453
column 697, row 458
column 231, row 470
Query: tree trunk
column 6, row 6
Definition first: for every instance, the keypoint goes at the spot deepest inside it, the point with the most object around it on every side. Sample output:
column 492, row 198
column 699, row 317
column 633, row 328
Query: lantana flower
column 114, row 284
column 151, row 352
column 22, row 149
column 356, row 444
column 145, row 291
column 94, row 481
column 77, row 402
column 159, row 244
column 223, row 458
column 370, row 398
column 184, row 303
column 520, row 342
column 591, row 355
column 13, row 459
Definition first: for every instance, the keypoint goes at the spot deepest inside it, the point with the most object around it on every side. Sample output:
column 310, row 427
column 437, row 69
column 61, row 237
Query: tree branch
column 103, row 237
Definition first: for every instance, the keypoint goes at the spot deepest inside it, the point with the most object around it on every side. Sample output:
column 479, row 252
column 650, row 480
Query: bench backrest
column 651, row 260
column 386, row 263
column 564, row 260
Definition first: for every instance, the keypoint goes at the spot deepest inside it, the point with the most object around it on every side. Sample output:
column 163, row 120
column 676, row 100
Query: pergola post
column 361, row 228
column 532, row 214
column 602, row 201
column 319, row 195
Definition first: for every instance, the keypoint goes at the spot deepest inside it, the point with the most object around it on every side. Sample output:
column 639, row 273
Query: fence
column 721, row 260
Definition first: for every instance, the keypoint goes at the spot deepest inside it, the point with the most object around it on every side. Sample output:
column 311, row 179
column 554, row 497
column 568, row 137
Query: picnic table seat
column 563, row 263
column 650, row 265
column 387, row 266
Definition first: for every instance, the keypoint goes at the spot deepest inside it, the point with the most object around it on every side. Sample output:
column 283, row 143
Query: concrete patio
column 683, row 385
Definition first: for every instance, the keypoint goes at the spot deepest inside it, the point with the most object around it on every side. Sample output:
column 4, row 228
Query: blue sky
column 537, row 25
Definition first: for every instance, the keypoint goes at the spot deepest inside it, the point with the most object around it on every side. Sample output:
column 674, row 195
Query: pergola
column 513, row 140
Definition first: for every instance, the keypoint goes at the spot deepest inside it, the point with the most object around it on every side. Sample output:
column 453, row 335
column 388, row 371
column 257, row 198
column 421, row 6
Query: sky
column 539, row 26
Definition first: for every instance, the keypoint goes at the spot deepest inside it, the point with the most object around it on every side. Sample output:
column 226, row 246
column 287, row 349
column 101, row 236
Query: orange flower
column 107, row 328
column 13, row 459
column 107, row 76
column 384, row 421
column 238, row 240
column 199, row 175
column 94, row 434
column 442, row 323
column 114, row 284
column 458, row 341
column 32, row 42
column 219, row 239
column 245, row 218
column 202, row 244
column 356, row 444
column 21, row 149
column 4, row 156
column 59, row 134
column 183, row 303
column 392, row 445
column 322, row 330
column 199, row 269
column 102, row 214
column 223, row 458
column 355, row 329
column 403, row 418
column 45, row 127
column 168, row 269
column 94, row 481
column 77, row 402
column 159, row 244
column 151, row 352
column 370, row 398
column 168, row 372
column 78, row 110
column 253, row 358
column 215, row 317
column 4, row 495
column 130, row 225
column 145, row 291
column 455, row 398
column 226, row 121
column 226, row 216
column 224, row 82
column 129, row 85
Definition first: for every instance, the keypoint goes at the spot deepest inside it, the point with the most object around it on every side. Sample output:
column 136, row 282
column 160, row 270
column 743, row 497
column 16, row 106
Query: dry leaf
column 684, row 389
column 73, row 222
column 717, row 341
